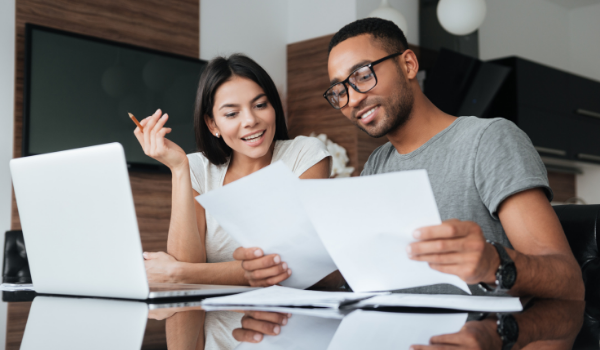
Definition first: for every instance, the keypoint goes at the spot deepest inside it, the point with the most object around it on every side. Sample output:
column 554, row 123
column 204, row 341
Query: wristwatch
column 508, row 330
column 506, row 275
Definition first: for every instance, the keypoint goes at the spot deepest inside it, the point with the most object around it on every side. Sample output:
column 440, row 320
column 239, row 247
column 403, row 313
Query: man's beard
column 398, row 111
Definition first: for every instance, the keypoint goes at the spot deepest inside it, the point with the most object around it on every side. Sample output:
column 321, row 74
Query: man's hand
column 256, row 324
column 161, row 267
column 474, row 335
column 259, row 270
column 458, row 248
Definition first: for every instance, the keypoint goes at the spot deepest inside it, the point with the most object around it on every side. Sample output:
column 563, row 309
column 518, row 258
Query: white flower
column 339, row 155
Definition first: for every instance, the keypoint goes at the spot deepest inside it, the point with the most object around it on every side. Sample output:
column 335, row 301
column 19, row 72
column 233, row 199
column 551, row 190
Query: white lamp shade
column 461, row 17
column 385, row 11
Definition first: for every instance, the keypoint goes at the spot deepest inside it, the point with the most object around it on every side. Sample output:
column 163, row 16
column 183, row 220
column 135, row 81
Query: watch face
column 508, row 329
column 509, row 276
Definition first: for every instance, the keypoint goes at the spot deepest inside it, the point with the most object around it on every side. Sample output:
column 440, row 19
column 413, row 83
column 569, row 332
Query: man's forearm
column 549, row 321
column 553, row 276
column 227, row 273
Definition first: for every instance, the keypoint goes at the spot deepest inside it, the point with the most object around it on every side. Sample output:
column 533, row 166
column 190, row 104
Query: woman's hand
column 155, row 144
column 259, row 270
column 161, row 267
column 255, row 324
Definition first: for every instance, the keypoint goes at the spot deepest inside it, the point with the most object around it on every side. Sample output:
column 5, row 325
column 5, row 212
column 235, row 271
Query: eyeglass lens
column 361, row 80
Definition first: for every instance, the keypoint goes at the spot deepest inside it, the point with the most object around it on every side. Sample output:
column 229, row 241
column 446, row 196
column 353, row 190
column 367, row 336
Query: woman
column 240, row 128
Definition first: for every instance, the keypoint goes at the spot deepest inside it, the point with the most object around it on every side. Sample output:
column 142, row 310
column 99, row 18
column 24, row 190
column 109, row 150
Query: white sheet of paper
column 261, row 210
column 452, row 302
column 386, row 330
column 313, row 312
column 366, row 223
column 284, row 296
column 302, row 332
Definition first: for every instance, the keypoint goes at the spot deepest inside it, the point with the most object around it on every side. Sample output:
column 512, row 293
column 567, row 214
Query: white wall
column 588, row 184
column 308, row 19
column 262, row 29
column 7, row 88
column 408, row 8
column 255, row 28
column 534, row 29
column 584, row 30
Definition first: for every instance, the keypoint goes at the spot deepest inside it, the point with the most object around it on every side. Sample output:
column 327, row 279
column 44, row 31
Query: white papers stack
column 366, row 223
column 453, row 302
column 262, row 210
column 283, row 296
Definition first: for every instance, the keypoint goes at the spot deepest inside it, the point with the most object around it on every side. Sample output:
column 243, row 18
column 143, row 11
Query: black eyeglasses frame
column 347, row 80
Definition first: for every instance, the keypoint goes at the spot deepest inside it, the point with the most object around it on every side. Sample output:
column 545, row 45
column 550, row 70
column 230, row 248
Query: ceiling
column 571, row 4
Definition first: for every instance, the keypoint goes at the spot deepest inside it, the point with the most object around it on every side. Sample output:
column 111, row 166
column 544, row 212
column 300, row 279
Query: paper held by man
column 361, row 225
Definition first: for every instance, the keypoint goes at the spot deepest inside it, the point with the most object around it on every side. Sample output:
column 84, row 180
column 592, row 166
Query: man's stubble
column 398, row 108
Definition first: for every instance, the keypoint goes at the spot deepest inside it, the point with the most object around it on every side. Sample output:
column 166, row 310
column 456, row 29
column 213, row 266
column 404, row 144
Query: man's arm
column 545, row 264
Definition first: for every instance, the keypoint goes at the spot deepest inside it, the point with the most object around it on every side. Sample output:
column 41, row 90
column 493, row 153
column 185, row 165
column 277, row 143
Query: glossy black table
column 55, row 322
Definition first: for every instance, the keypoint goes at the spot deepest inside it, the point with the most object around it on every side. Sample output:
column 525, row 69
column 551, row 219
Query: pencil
column 136, row 122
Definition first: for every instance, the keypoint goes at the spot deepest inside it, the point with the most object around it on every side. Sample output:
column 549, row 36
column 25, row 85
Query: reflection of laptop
column 80, row 227
column 92, row 324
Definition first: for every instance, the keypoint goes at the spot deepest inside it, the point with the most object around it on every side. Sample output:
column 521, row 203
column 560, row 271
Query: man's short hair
column 385, row 32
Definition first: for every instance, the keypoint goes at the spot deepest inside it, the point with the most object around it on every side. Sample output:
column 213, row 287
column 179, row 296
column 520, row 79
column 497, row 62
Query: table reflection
column 72, row 323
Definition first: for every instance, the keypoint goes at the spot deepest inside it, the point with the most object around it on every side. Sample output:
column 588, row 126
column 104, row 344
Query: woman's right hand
column 259, row 270
column 155, row 144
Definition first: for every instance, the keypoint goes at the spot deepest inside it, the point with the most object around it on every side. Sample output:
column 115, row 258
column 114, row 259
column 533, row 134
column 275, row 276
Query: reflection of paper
column 314, row 312
column 13, row 287
column 366, row 224
column 453, row 302
column 386, row 330
column 283, row 296
column 261, row 210
column 301, row 332
column 95, row 324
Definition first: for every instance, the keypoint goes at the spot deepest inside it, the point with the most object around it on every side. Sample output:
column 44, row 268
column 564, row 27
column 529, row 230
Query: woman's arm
column 187, row 230
column 186, row 258
column 185, row 330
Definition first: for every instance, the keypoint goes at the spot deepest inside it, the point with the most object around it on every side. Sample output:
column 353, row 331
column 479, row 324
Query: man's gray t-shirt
column 473, row 165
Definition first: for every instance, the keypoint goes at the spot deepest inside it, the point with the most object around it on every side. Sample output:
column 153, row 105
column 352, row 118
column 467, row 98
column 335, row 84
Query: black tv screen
column 79, row 89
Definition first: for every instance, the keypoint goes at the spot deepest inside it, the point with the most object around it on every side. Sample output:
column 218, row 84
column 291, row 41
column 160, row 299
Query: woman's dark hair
column 218, row 71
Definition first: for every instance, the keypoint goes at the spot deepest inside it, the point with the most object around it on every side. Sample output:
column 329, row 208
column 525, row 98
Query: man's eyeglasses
column 362, row 79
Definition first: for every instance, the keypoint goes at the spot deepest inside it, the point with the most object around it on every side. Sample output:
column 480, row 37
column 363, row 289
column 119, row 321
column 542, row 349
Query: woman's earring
column 217, row 135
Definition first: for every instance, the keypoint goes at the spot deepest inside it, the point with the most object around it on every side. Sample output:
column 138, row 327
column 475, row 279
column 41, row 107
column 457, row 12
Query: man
column 488, row 180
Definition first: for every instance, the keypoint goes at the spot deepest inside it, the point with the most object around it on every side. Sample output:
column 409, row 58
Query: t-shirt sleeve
column 308, row 151
column 506, row 163
column 197, row 172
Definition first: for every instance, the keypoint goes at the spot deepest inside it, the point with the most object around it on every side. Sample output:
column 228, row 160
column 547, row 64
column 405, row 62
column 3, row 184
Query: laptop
column 80, row 228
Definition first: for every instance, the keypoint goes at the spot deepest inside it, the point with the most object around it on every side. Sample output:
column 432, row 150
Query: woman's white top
column 299, row 154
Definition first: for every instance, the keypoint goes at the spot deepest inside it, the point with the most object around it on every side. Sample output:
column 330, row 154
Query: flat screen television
column 79, row 89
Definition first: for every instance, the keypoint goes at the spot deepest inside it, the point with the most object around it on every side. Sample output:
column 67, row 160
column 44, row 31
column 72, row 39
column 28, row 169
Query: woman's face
column 243, row 117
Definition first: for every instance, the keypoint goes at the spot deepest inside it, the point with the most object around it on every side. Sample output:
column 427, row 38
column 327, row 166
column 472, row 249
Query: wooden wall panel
column 307, row 110
column 563, row 186
column 15, row 327
column 167, row 25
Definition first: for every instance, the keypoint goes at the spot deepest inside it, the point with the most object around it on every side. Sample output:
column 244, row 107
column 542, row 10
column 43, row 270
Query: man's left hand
column 456, row 247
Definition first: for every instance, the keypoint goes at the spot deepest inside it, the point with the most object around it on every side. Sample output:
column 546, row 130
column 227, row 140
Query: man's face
column 388, row 105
